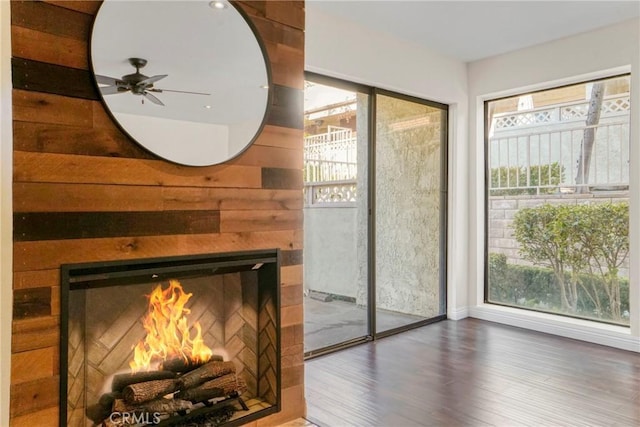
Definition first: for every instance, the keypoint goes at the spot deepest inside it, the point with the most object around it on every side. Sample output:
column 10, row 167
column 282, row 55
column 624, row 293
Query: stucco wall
column 407, row 226
column 331, row 250
column 407, row 211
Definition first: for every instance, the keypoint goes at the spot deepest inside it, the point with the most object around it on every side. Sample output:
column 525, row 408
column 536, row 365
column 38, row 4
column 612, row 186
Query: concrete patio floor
column 328, row 323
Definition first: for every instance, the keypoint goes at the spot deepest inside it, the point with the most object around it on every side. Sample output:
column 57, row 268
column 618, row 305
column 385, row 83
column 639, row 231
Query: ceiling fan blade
column 112, row 90
column 178, row 91
column 151, row 79
column 106, row 80
column 152, row 98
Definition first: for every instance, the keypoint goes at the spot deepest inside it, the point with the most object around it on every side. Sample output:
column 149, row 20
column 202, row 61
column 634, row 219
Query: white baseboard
column 584, row 330
column 457, row 313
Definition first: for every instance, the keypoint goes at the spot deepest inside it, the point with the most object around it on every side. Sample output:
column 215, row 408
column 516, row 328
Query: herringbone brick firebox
column 204, row 327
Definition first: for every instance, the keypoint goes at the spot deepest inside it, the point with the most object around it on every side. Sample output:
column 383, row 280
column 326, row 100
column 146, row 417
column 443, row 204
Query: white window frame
column 627, row 338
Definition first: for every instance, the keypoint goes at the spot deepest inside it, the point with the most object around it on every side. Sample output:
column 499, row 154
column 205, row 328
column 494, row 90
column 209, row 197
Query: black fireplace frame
column 102, row 274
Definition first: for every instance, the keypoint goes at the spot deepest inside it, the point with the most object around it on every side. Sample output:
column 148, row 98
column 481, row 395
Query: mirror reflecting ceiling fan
column 136, row 83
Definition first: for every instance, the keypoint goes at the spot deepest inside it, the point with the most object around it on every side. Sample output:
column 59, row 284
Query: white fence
column 330, row 168
column 539, row 149
column 530, row 152
column 567, row 112
column 330, row 193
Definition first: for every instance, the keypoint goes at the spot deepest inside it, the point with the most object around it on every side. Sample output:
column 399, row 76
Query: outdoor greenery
column 548, row 176
column 582, row 248
column 536, row 288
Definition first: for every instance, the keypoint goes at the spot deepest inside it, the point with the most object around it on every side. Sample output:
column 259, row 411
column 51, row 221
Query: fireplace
column 182, row 341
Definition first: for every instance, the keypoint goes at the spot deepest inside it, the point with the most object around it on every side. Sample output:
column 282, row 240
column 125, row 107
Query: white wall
column 180, row 141
column 6, row 224
column 609, row 50
column 338, row 48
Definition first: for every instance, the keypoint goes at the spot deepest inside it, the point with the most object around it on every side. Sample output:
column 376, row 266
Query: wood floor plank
column 43, row 418
column 52, row 138
column 474, row 373
column 37, row 226
column 64, row 168
column 36, row 279
column 34, row 395
column 270, row 157
column 59, row 197
column 54, row 109
column 85, row 6
column 274, row 136
column 50, row 78
column 49, row 254
column 233, row 221
column 49, row 18
column 51, row 48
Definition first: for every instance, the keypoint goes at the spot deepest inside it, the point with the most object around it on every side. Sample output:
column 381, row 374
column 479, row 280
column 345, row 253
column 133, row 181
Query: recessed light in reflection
column 264, row 87
column 217, row 4
column 208, row 107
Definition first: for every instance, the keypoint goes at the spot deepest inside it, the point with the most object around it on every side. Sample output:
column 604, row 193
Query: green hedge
column 573, row 240
column 549, row 175
column 536, row 288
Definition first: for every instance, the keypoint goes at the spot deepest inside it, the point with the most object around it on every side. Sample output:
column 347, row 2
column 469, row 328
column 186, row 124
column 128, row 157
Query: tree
column 588, row 140
column 546, row 240
column 605, row 240
column 576, row 239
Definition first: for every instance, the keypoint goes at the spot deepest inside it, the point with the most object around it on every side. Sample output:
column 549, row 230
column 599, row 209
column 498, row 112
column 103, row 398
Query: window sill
column 580, row 329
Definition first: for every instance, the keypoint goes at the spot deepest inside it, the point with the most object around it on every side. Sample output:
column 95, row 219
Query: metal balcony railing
column 330, row 168
column 546, row 161
column 538, row 150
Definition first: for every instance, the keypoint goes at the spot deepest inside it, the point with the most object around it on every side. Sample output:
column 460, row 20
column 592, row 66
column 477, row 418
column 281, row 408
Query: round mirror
column 187, row 80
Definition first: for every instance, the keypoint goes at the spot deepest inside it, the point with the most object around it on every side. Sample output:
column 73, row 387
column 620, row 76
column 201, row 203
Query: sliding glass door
column 410, row 141
column 335, row 214
column 375, row 204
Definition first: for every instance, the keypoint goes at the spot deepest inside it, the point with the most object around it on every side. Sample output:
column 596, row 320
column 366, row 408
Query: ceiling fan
column 136, row 83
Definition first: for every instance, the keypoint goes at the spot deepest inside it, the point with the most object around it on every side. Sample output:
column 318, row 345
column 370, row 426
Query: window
column 557, row 177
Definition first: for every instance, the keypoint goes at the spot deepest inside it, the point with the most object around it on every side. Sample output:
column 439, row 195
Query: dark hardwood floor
column 474, row 373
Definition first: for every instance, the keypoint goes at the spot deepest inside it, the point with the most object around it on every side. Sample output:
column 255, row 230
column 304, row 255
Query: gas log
column 179, row 364
column 205, row 373
column 168, row 392
column 177, row 388
column 120, row 381
column 166, row 406
column 225, row 385
column 99, row 411
column 161, row 405
column 148, row 390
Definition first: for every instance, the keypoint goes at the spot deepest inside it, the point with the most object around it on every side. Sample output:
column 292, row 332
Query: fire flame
column 168, row 335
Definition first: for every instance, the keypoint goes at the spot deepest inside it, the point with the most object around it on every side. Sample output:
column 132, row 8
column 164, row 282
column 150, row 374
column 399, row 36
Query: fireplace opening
column 182, row 341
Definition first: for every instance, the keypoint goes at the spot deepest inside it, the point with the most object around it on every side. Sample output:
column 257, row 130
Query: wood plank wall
column 82, row 191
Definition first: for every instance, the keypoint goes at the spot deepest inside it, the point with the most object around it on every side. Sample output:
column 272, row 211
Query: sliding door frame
column 443, row 214
column 373, row 92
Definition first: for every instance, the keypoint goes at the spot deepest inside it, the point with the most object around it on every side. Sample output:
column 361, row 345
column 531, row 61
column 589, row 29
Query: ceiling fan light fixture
column 137, row 83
